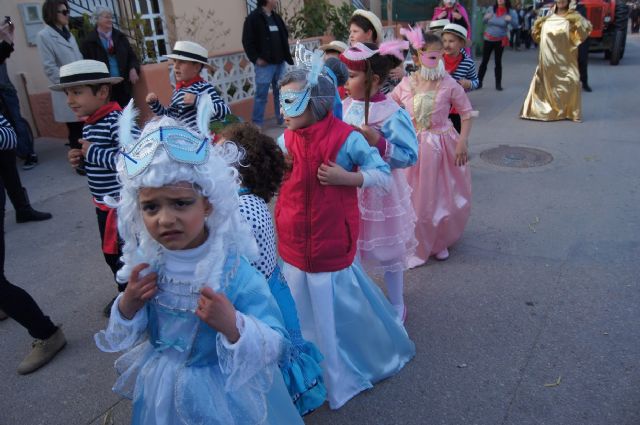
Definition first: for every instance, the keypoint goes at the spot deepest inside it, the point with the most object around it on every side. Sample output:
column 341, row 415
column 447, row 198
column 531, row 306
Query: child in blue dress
column 203, row 333
column 261, row 170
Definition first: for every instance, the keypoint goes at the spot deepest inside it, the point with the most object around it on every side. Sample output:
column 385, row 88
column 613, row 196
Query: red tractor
column 609, row 34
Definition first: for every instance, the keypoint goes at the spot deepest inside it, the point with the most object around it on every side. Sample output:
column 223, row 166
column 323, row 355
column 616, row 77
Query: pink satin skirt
column 387, row 226
column 441, row 194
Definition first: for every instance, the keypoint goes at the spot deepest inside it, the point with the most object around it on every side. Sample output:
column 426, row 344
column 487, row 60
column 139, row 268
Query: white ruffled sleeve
column 248, row 359
column 122, row 334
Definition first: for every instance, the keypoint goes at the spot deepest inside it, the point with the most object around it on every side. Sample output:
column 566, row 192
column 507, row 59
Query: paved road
column 543, row 288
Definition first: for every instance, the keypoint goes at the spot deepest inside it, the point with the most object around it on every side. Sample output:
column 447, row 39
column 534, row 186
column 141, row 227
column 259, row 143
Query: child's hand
column 189, row 99
column 217, row 311
column 371, row 134
column 288, row 162
column 151, row 98
column 334, row 175
column 461, row 153
column 456, row 15
column 85, row 146
column 75, row 157
column 466, row 84
column 139, row 291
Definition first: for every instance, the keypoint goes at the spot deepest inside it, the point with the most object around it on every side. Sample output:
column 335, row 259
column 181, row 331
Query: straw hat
column 375, row 22
column 438, row 24
column 336, row 45
column 83, row 73
column 190, row 51
column 458, row 30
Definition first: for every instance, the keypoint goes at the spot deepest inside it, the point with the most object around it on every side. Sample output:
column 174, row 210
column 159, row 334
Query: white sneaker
column 442, row 255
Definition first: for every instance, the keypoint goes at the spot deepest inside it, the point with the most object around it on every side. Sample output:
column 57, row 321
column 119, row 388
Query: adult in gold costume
column 555, row 92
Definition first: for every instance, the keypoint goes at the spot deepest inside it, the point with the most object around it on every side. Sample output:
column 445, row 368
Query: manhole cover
column 516, row 157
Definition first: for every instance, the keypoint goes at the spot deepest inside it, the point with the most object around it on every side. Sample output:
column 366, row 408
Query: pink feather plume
column 393, row 47
column 415, row 37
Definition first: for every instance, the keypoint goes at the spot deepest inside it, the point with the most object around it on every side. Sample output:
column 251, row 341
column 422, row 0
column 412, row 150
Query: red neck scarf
column 183, row 84
column 102, row 112
column 501, row 11
column 451, row 62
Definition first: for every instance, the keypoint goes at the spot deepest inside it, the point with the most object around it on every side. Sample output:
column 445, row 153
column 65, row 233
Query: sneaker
column 3, row 316
column 30, row 162
column 43, row 350
column 24, row 215
column 442, row 255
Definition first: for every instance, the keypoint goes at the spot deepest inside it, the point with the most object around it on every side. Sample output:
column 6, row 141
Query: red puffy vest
column 317, row 225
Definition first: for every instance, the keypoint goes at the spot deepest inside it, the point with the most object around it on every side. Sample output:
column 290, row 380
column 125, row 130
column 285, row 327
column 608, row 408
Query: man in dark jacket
column 108, row 45
column 583, row 54
column 266, row 42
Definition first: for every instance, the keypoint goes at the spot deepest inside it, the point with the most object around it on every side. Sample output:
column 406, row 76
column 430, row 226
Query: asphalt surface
column 532, row 320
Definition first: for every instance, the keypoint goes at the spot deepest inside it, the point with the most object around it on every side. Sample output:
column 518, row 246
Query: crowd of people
column 371, row 175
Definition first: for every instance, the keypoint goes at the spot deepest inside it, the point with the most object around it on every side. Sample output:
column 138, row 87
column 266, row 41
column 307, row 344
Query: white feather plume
column 205, row 111
column 126, row 123
column 317, row 65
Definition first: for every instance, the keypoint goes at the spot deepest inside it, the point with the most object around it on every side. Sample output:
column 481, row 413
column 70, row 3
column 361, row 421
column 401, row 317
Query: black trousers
column 75, row 133
column 490, row 46
column 112, row 260
column 583, row 61
column 15, row 301
column 11, row 180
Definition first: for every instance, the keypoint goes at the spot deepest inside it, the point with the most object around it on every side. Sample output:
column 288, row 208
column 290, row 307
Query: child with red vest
column 387, row 221
column 317, row 220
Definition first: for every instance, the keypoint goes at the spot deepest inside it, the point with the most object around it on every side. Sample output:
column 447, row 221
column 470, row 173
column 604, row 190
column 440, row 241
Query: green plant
column 339, row 17
column 319, row 17
column 80, row 27
column 138, row 29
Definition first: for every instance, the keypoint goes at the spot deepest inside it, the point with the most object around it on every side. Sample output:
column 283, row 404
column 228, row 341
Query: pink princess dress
column 441, row 193
column 387, row 220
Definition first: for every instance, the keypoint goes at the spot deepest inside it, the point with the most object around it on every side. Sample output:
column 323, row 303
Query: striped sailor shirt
column 187, row 114
column 102, row 155
column 8, row 139
column 466, row 70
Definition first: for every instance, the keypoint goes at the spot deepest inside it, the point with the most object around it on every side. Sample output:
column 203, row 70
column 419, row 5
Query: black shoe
column 586, row 88
column 24, row 215
column 479, row 85
column 30, row 162
column 107, row 309
column 499, row 87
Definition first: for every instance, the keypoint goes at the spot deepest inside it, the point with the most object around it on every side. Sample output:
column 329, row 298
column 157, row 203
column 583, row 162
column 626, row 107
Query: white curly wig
column 216, row 179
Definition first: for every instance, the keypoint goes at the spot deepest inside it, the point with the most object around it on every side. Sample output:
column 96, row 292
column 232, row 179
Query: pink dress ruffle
column 387, row 220
column 441, row 194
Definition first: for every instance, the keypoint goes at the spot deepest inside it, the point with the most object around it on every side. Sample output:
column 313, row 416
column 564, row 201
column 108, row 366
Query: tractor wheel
column 617, row 48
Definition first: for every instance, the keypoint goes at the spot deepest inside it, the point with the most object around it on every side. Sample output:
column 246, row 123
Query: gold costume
column 555, row 91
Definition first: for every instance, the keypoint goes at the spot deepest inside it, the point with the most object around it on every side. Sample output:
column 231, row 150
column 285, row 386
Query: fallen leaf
column 554, row 384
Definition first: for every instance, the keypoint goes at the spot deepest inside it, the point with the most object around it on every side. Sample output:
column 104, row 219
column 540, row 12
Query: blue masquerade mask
column 294, row 102
column 180, row 144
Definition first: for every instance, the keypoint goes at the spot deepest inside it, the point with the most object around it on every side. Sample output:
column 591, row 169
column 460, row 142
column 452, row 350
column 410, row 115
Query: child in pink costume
column 387, row 220
column 456, row 14
column 441, row 180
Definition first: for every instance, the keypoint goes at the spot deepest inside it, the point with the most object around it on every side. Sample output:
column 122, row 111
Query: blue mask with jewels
column 180, row 144
column 294, row 102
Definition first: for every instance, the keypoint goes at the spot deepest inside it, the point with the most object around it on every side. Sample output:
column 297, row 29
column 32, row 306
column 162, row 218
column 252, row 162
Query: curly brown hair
column 262, row 167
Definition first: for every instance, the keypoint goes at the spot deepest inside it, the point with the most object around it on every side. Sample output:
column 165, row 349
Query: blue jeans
column 25, row 140
column 267, row 75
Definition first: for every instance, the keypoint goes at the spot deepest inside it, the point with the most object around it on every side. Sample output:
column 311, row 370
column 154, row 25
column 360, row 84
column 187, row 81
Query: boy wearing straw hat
column 458, row 64
column 189, row 59
column 87, row 84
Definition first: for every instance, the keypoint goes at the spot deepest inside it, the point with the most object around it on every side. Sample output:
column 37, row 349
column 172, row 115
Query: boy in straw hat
column 458, row 64
column 188, row 60
column 437, row 25
column 87, row 84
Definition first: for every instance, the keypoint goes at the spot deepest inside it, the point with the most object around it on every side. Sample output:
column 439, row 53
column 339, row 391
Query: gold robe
column 555, row 91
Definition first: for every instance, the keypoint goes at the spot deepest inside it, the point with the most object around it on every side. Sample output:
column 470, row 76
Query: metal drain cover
column 516, row 157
